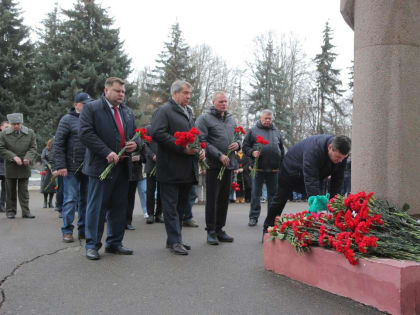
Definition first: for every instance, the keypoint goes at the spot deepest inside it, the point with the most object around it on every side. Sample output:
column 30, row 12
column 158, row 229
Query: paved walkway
column 41, row 275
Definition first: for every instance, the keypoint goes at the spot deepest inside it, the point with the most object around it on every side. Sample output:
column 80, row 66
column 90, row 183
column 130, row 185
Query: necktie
column 119, row 125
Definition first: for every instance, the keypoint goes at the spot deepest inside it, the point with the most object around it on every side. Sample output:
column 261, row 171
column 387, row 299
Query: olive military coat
column 21, row 144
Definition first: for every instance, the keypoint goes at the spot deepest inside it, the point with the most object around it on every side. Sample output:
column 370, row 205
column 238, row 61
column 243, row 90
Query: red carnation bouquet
column 356, row 226
column 236, row 137
column 235, row 185
column 260, row 141
column 139, row 132
column 189, row 139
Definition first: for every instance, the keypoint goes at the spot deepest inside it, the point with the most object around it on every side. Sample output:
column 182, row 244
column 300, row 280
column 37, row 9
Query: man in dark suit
column 105, row 126
column 305, row 166
column 176, row 166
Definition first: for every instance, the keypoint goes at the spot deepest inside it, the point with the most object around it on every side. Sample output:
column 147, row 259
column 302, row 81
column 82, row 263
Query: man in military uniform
column 18, row 149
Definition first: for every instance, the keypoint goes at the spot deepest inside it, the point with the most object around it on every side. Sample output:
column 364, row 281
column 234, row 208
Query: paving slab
column 41, row 275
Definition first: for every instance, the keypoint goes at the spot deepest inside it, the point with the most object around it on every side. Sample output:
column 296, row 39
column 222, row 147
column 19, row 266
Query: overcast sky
column 228, row 26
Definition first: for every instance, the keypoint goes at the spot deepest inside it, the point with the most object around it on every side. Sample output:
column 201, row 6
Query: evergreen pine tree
column 78, row 50
column 50, row 63
column 328, row 83
column 174, row 63
column 270, row 84
column 16, row 58
column 264, row 79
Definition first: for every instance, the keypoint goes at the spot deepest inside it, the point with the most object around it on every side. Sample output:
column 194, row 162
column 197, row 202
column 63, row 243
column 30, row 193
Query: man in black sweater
column 269, row 161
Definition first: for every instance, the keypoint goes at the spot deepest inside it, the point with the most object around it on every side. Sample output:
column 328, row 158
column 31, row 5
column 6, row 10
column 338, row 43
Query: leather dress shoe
column 149, row 220
column 212, row 238
column 252, row 222
column 186, row 246
column 190, row 223
column 92, row 254
column 10, row 215
column 223, row 237
column 28, row 216
column 119, row 250
column 159, row 219
column 178, row 249
column 68, row 238
column 130, row 227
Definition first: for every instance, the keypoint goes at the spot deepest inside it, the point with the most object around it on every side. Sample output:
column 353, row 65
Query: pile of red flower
column 357, row 226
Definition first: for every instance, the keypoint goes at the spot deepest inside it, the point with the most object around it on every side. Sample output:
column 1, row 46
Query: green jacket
column 22, row 145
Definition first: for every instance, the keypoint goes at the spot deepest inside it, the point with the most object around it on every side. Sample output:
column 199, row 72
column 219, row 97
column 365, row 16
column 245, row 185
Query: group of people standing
column 92, row 134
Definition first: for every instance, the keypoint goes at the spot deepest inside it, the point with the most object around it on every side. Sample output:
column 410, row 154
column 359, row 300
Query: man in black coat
column 217, row 127
column 304, row 167
column 106, row 125
column 176, row 166
column 69, row 153
column 269, row 161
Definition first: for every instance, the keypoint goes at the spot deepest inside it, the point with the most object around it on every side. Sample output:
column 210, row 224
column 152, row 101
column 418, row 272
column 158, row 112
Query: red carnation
column 203, row 145
column 240, row 129
column 148, row 139
column 236, row 187
column 261, row 141
column 195, row 131
column 43, row 173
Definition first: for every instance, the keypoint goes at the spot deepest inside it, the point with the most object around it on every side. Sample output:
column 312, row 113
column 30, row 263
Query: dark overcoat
column 173, row 166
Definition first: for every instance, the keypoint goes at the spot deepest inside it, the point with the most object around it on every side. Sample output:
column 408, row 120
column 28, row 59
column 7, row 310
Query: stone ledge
column 389, row 285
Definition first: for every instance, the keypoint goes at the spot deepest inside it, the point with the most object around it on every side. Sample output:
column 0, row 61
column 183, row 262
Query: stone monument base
column 389, row 285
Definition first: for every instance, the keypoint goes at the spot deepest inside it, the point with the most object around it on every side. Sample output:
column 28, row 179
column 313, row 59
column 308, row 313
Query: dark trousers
column 132, row 188
column 3, row 192
column 59, row 197
column 217, row 198
column 191, row 200
column 270, row 179
column 152, row 185
column 286, row 186
column 107, row 199
column 22, row 192
column 174, row 199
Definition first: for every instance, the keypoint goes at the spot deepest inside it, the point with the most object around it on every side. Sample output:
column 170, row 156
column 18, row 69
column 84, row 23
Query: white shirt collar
column 110, row 105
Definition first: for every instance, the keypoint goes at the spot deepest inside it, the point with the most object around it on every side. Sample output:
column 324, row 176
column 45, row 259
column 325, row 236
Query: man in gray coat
column 18, row 149
column 217, row 127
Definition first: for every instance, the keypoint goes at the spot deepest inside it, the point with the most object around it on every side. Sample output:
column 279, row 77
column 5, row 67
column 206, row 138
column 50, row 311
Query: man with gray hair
column 217, row 127
column 269, row 160
column 176, row 166
column 18, row 149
